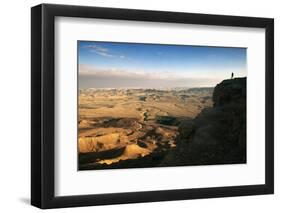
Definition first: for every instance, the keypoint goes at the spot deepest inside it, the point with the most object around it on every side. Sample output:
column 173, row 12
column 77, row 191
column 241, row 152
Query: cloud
column 94, row 77
column 96, row 47
column 102, row 51
column 137, row 74
column 161, row 74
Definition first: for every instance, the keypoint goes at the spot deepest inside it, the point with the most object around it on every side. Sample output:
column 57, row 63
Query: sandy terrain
column 120, row 124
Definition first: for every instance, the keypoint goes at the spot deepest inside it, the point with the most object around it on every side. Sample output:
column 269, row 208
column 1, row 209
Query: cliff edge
column 218, row 134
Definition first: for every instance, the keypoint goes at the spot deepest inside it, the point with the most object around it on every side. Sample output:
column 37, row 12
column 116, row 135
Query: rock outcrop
column 218, row 134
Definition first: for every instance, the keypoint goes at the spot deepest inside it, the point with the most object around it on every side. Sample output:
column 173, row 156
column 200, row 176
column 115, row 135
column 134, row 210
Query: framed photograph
column 140, row 106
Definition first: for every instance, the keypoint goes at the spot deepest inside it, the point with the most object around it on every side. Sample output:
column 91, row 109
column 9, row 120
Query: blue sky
column 201, row 65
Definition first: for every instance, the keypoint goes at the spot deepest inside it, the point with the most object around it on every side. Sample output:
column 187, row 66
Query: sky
column 136, row 65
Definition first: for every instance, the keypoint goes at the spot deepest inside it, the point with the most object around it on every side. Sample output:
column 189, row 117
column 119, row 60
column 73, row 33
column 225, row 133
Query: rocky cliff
column 218, row 134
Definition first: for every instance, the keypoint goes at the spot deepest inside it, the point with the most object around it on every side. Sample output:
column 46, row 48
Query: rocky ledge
column 218, row 134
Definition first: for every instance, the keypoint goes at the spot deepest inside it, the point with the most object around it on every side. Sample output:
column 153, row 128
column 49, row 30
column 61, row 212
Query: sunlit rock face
column 125, row 128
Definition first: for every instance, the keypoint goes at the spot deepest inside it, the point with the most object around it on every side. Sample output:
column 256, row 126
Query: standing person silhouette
column 232, row 75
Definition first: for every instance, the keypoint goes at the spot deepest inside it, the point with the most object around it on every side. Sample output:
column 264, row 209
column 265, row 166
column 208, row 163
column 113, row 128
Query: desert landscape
column 120, row 124
column 158, row 105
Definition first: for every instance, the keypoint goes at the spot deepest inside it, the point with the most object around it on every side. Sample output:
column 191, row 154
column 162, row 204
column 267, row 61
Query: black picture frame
column 43, row 102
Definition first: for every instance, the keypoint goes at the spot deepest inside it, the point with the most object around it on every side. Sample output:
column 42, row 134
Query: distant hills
column 217, row 135
column 191, row 89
